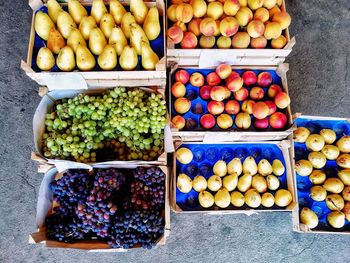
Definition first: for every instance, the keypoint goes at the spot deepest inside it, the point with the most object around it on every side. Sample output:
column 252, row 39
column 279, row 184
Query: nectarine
column 207, row 121
column 208, row 26
column 243, row 120
column 189, row 41
column 197, row 79
column 182, row 76
column 228, row 26
column 184, row 12
column 273, row 90
column 272, row 106
column 204, row 92
column 175, row 34
column 247, row 106
column 241, row 94
column 255, row 28
column 262, row 14
column 264, row 79
column 261, row 124
column 223, row 71
column 241, row 40
column 282, row 100
column 259, row 42
column 224, row 121
column 178, row 122
column 278, row 120
column 232, row 107
column 260, row 110
column 178, row 89
column 249, row 78
column 182, row 105
column 234, row 84
column 256, row 93
column 213, row 79
column 216, row 107
column 219, row 93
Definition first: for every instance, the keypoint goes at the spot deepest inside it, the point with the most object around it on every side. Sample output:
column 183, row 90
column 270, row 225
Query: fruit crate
column 45, row 106
column 214, row 56
column 341, row 127
column 97, row 77
column 205, row 155
column 45, row 206
column 198, row 133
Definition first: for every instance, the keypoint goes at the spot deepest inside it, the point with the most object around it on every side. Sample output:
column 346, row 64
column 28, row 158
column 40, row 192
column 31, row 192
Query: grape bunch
column 124, row 124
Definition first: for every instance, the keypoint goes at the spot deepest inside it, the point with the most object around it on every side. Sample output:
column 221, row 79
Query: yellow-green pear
column 127, row 20
column 149, row 58
column 264, row 167
column 97, row 41
column 85, row 60
column 98, row 9
column 107, row 24
column 76, row 10
column 54, row 9
column 108, row 58
column 75, row 38
column 118, row 40
column 117, row 10
column 87, row 23
column 139, row 9
column 235, row 166
column 249, row 166
column 151, row 25
column 45, row 59
column 43, row 25
column 65, row 60
column 55, row 41
column 137, row 36
column 244, row 182
column 128, row 58
column 65, row 23
column 277, row 167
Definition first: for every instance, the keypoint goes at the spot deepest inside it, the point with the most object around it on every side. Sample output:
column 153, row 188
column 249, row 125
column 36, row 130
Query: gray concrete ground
column 318, row 84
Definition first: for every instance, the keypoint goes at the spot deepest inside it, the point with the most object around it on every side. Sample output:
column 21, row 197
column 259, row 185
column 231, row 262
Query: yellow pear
column 117, row 10
column 55, row 41
column 45, row 59
column 85, row 60
column 151, row 25
column 65, row 23
column 139, row 9
column 108, row 58
column 54, row 9
column 97, row 41
column 87, row 23
column 106, row 24
column 128, row 59
column 65, row 60
column 43, row 25
column 127, row 20
column 76, row 10
column 149, row 58
column 118, row 40
column 137, row 35
column 98, row 9
column 75, row 38
column 250, row 166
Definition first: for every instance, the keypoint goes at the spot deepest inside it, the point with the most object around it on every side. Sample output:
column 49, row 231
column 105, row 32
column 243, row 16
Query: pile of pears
column 77, row 37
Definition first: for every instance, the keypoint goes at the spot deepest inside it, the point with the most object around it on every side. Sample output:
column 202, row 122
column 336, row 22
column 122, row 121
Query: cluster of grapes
column 130, row 122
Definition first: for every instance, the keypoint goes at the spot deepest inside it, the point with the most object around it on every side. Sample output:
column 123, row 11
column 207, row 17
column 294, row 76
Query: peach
column 241, row 94
column 247, row 106
column 259, row 42
column 219, row 93
column 182, row 76
column 224, row 121
column 255, row 28
column 269, row 3
column 264, row 79
column 249, row 78
column 189, row 41
column 231, row 7
column 175, row 34
column 204, row 92
column 282, row 100
column 278, row 120
column 273, row 90
column 213, row 79
column 279, row 42
column 194, row 26
column 197, row 79
column 244, row 16
column 255, row 4
column 178, row 122
column 241, row 40
column 181, row 25
column 256, row 93
column 208, row 27
column 223, row 42
column 262, row 14
column 274, row 10
column 283, row 18
column 182, row 105
column 243, row 120
column 207, row 121
column 178, row 89
column 207, row 42
column 215, row 10
column 243, row 2
column 171, row 13
column 261, row 124
column 232, row 107
column 234, row 84
column 184, row 12
column 228, row 26
column 223, row 71
column 260, row 110
column 199, row 8
column 272, row 106
column 216, row 107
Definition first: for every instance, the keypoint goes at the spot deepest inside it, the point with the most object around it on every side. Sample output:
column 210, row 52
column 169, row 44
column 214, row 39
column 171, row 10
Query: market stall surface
column 319, row 84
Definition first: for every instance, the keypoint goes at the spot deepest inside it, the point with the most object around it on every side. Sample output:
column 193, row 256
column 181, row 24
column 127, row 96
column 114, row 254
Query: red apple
column 256, row 93
column 216, row 107
column 204, row 92
column 207, row 121
column 232, row 107
column 264, row 79
column 241, row 94
column 278, row 120
column 261, row 124
column 182, row 76
column 273, row 90
column 272, row 106
column 213, row 79
column 249, row 78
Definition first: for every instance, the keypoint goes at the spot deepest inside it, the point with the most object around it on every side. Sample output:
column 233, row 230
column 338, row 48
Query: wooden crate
column 204, row 57
column 99, row 78
column 285, row 147
column 44, row 208
column 225, row 136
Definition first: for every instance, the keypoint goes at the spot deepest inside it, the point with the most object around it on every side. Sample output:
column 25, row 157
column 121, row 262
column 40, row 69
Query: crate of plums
column 243, row 32
column 106, row 42
column 322, row 165
column 230, row 103
column 109, row 208
column 233, row 177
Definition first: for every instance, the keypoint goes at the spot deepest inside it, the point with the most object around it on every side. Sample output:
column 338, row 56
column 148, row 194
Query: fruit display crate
column 214, row 56
column 205, row 155
column 96, row 77
column 46, row 204
column 314, row 218
column 198, row 133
